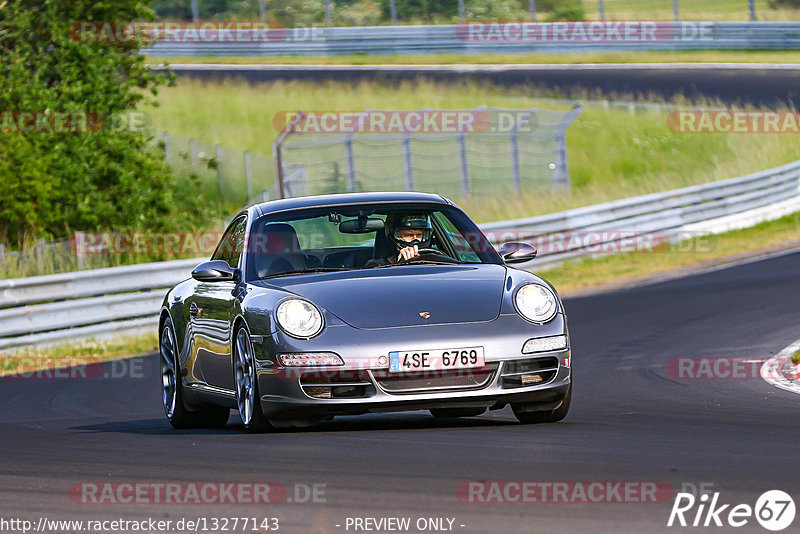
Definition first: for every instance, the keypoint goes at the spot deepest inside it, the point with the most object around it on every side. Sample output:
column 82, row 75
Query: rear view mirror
column 361, row 226
column 515, row 252
column 213, row 271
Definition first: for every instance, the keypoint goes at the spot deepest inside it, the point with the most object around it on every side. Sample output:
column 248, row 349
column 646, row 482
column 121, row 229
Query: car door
column 211, row 313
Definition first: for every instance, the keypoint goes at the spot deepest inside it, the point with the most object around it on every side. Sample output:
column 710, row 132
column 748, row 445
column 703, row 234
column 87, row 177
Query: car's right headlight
column 299, row 318
column 536, row 303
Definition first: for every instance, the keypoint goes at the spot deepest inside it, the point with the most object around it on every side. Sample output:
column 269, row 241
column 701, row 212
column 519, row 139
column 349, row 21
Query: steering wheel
column 430, row 252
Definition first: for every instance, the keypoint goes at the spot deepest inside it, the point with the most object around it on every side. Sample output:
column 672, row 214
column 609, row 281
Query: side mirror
column 514, row 252
column 214, row 271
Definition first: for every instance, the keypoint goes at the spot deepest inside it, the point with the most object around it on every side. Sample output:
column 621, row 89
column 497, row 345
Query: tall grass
column 612, row 153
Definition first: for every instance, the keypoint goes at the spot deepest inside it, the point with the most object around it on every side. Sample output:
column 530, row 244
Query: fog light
column 545, row 344
column 319, row 392
column 527, row 380
column 310, row 359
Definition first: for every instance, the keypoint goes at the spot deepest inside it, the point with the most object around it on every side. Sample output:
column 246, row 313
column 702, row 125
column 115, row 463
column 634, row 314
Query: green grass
column 612, row 153
column 75, row 353
column 689, row 56
column 689, row 10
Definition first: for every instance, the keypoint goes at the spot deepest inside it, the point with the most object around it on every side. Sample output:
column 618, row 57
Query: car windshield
column 356, row 237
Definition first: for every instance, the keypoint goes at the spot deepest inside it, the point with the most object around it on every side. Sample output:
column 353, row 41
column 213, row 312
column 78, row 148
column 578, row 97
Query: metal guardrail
column 119, row 300
column 431, row 39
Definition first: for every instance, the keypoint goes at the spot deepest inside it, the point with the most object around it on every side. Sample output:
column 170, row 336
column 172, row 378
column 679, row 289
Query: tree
column 95, row 176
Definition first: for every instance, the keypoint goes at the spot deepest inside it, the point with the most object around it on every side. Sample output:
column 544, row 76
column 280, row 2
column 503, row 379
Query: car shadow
column 350, row 423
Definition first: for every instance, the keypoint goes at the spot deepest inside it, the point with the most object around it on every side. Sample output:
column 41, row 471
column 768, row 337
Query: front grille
column 398, row 383
column 337, row 385
column 531, row 372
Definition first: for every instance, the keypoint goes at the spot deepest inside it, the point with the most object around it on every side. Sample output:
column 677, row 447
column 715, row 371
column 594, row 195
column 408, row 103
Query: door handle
column 193, row 309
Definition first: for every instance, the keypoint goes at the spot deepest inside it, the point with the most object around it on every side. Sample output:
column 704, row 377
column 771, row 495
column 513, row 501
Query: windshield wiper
column 307, row 271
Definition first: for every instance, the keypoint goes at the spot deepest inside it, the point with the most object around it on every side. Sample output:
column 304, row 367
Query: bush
column 426, row 10
column 567, row 13
column 777, row 4
column 95, row 178
column 550, row 5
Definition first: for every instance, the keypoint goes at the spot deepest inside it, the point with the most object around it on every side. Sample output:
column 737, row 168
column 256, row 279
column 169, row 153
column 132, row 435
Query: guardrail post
column 462, row 13
column 167, row 149
column 219, row 169
column 248, row 173
column 39, row 251
column 752, row 10
column 532, row 8
column 602, row 10
column 408, row 169
column 3, row 255
column 262, row 9
column 352, row 186
column 327, row 6
column 462, row 150
column 393, row 11
column 675, row 9
column 193, row 152
column 514, row 139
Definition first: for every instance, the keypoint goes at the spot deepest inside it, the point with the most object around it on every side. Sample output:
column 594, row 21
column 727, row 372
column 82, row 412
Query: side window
column 232, row 244
column 462, row 247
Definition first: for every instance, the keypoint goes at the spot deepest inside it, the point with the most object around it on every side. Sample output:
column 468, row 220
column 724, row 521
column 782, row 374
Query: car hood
column 396, row 296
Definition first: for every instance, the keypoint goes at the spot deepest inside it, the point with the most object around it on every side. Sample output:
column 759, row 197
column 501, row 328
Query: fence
column 234, row 176
column 559, row 37
column 126, row 299
column 483, row 151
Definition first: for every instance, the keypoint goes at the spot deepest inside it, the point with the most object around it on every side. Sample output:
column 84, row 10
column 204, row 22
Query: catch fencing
column 495, row 152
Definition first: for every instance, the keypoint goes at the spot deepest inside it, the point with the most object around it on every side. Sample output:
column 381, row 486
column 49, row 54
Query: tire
column 248, row 399
column 178, row 415
column 546, row 416
column 456, row 412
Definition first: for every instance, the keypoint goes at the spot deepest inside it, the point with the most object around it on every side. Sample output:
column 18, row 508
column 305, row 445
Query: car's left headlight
column 299, row 318
column 536, row 303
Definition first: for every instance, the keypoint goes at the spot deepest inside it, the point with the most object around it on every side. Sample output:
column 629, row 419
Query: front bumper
column 285, row 393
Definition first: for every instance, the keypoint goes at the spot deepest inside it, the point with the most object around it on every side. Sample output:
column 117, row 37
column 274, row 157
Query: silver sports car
column 349, row 304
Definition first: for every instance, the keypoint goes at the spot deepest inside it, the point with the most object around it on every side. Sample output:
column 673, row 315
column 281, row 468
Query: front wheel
column 172, row 389
column 546, row 416
column 248, row 399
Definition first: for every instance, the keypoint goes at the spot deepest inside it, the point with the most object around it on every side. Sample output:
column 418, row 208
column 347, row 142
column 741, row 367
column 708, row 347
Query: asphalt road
column 631, row 421
column 768, row 85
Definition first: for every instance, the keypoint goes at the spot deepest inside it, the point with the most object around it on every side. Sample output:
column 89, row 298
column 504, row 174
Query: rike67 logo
column 774, row 510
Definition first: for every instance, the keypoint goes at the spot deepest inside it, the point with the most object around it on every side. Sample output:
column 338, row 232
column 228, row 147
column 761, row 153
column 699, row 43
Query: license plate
column 436, row 359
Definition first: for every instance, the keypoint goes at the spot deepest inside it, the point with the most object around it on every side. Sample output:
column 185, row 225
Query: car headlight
column 299, row 318
column 536, row 303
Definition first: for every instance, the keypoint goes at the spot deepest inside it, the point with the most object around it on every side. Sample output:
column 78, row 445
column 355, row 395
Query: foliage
column 567, row 13
column 100, row 174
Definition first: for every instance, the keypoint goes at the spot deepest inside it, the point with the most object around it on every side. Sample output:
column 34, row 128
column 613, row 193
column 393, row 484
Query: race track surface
column 766, row 85
column 632, row 420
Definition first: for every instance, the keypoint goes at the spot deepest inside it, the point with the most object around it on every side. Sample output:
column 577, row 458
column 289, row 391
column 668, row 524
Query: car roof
column 347, row 199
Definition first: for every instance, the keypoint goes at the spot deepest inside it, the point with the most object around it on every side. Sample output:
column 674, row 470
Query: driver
column 409, row 232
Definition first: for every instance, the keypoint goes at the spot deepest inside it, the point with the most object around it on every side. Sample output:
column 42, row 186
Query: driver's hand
column 408, row 253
